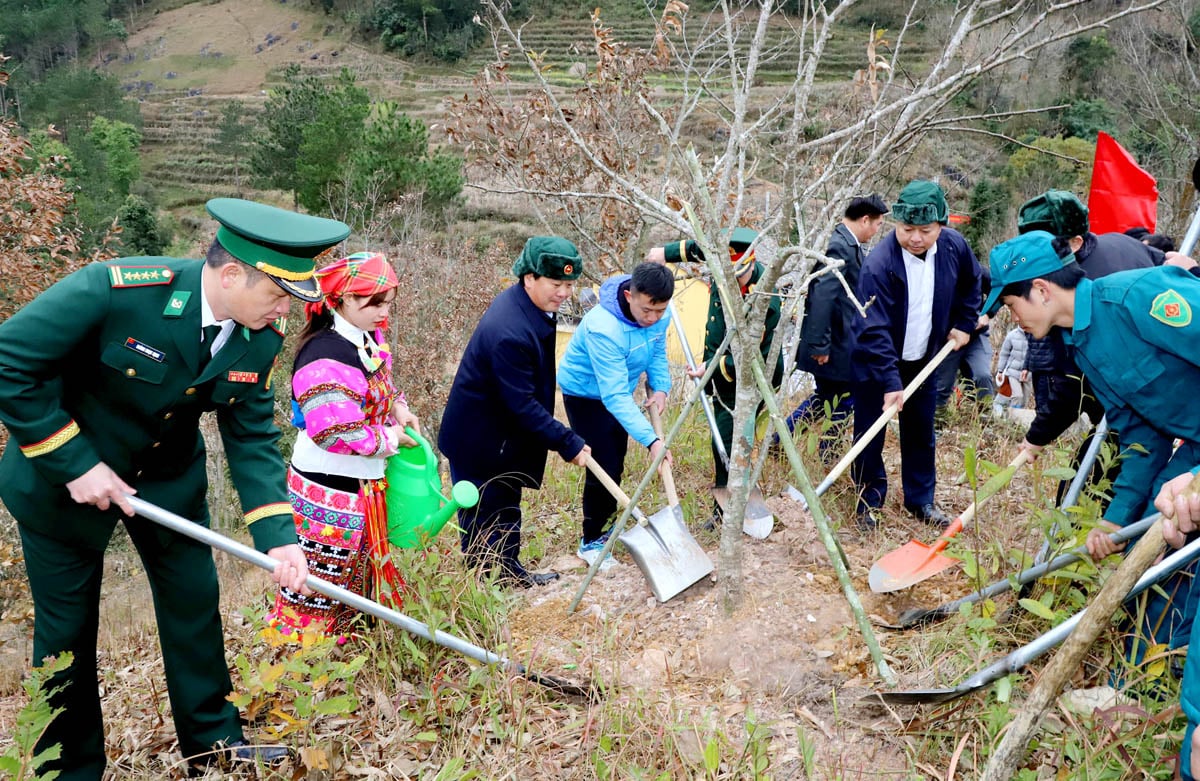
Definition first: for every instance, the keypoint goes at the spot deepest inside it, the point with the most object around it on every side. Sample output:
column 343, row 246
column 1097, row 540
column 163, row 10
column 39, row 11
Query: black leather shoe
column 247, row 752
column 525, row 578
column 240, row 750
column 867, row 520
column 930, row 514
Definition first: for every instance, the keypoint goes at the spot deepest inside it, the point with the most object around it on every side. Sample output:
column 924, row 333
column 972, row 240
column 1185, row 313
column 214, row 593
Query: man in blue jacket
column 499, row 420
column 924, row 280
column 618, row 341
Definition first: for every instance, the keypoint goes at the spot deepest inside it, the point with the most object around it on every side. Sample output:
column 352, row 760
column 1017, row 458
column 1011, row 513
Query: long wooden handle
column 887, row 415
column 612, row 487
column 989, row 489
column 664, row 469
column 1009, row 754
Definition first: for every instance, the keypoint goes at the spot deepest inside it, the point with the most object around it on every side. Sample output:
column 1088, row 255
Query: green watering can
column 416, row 509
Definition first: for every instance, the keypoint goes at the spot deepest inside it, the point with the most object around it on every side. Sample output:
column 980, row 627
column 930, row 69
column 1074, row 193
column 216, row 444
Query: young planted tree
column 722, row 121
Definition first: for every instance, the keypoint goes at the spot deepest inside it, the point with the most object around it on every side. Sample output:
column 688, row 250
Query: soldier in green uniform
column 722, row 386
column 103, row 379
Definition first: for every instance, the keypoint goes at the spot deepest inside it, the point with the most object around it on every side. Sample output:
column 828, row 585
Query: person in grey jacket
column 1011, row 366
column 827, row 331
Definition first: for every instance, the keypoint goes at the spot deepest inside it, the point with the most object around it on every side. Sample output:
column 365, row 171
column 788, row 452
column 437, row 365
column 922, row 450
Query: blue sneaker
column 590, row 551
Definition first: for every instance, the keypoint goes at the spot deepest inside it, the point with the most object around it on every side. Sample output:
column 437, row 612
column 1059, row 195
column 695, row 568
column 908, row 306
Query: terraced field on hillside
column 183, row 81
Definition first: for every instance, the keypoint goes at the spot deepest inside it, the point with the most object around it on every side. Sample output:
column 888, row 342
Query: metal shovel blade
column 667, row 553
column 925, row 696
column 907, row 565
column 759, row 520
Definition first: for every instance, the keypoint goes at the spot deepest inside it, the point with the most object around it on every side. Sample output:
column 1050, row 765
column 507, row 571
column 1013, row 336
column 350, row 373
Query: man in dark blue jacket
column 499, row 420
column 827, row 333
column 924, row 280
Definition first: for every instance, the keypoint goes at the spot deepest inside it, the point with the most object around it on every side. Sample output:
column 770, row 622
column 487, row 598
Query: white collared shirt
column 919, row 324
column 207, row 318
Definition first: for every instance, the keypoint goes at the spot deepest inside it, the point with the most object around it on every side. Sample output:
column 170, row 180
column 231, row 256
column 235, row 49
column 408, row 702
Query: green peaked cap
column 549, row 256
column 277, row 242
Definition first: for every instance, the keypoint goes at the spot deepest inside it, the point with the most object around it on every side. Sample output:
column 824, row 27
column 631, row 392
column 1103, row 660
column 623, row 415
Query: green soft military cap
column 1055, row 211
column 548, row 256
column 1028, row 256
column 277, row 242
column 921, row 202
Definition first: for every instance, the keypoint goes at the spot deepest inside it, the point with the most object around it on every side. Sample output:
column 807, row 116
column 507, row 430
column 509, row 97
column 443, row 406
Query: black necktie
column 210, row 337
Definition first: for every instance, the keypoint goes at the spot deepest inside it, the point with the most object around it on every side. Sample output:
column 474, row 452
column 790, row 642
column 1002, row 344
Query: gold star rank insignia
column 1171, row 308
column 139, row 276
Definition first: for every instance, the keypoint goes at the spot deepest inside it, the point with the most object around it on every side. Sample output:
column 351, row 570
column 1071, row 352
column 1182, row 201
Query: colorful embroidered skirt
column 331, row 526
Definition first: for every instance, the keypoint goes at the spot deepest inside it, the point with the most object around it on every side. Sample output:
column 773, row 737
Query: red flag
column 1122, row 194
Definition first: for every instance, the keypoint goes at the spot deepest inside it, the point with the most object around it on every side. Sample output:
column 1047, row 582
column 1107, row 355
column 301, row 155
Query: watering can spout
column 462, row 495
column 416, row 508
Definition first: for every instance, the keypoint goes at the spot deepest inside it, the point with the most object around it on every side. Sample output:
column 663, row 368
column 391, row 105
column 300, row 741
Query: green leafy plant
column 22, row 760
column 307, row 683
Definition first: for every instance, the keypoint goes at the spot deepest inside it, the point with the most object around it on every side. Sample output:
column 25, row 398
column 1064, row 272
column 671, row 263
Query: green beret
column 549, row 256
column 1054, row 211
column 921, row 203
column 277, row 242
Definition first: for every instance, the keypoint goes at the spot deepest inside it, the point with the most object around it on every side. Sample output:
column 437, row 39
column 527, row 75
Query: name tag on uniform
column 251, row 377
column 141, row 348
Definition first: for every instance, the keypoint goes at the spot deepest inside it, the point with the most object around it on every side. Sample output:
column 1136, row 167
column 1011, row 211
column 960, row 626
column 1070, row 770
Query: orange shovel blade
column 912, row 562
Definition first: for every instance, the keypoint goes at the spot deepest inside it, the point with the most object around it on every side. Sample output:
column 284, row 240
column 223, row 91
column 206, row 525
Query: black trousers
column 609, row 441
column 491, row 530
column 918, row 468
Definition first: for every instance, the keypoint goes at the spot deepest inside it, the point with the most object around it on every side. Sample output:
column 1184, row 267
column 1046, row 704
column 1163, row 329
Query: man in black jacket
column 499, row 420
column 827, row 332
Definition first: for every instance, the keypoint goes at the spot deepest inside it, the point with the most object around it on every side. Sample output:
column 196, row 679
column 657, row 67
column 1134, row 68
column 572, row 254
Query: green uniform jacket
column 722, row 383
column 1137, row 340
column 105, row 366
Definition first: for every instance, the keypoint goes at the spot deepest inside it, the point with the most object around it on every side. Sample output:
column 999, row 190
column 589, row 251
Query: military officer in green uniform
column 722, row 386
column 103, row 379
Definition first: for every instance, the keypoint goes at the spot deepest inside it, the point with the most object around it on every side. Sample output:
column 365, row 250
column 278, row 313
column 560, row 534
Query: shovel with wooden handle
column 664, row 469
column 211, row 538
column 919, row 616
column 915, row 561
column 664, row 549
column 875, row 428
column 1039, row 645
column 759, row 520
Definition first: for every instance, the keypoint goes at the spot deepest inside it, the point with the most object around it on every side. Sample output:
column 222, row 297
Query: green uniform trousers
column 65, row 583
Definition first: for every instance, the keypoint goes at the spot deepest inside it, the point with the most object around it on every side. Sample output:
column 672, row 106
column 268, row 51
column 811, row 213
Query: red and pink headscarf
column 361, row 274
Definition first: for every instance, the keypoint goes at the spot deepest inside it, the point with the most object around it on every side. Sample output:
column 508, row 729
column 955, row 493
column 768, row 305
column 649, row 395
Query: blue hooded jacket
column 607, row 355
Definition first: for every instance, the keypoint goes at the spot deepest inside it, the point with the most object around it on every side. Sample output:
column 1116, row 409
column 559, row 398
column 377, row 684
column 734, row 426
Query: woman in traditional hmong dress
column 351, row 418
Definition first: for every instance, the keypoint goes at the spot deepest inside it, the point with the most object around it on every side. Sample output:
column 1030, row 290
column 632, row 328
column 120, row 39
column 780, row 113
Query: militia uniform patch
column 140, row 276
column 1171, row 308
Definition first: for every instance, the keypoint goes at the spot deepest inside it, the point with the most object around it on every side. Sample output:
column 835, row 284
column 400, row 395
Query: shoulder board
column 140, row 276
column 280, row 326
